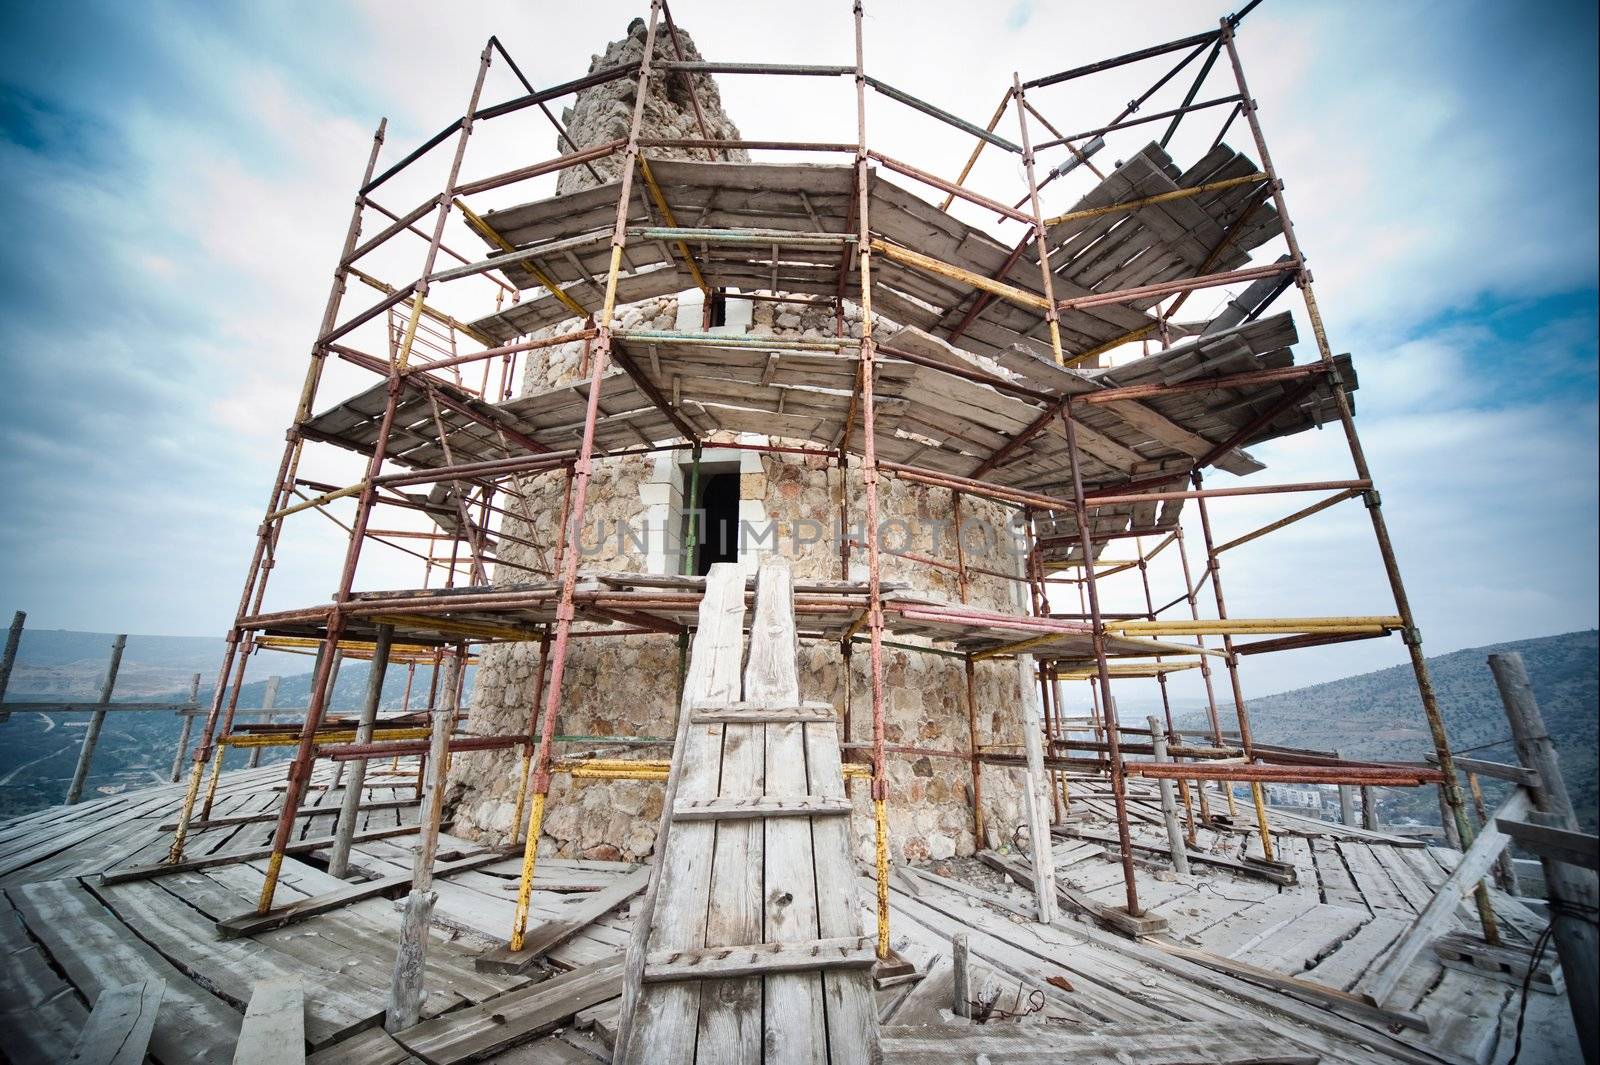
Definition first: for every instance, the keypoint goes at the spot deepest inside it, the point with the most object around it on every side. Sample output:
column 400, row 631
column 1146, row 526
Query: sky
column 178, row 178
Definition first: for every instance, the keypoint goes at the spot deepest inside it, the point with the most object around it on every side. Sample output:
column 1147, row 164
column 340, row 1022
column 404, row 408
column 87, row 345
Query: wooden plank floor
column 65, row 939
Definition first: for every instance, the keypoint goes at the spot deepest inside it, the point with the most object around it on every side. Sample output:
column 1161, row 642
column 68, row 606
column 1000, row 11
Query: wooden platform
column 68, row 939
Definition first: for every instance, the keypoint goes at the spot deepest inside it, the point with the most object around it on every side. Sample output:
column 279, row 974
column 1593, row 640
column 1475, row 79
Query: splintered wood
column 742, row 953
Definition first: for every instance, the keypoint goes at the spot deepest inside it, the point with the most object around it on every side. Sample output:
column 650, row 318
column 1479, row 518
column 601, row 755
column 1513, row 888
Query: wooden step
column 724, row 809
column 764, row 714
column 759, row 959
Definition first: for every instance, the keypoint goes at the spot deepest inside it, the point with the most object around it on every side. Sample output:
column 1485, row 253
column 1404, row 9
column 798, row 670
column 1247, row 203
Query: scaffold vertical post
column 267, row 534
column 1108, row 706
column 1451, row 784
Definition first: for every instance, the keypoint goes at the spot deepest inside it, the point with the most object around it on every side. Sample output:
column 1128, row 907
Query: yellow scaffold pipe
column 1256, row 626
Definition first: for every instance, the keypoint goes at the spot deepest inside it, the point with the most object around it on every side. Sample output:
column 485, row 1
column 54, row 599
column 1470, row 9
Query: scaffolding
column 1101, row 453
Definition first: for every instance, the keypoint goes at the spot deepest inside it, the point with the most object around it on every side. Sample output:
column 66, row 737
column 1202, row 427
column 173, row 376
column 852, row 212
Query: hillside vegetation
column 1378, row 715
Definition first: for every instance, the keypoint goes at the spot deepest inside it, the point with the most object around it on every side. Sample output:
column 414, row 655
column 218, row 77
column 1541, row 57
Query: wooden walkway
column 756, row 828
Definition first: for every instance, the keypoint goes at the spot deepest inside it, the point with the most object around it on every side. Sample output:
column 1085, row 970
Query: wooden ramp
column 749, row 947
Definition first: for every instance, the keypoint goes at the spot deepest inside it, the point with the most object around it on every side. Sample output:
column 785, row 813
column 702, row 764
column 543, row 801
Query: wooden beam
column 252, row 923
column 1558, row 844
column 145, row 872
column 1380, row 982
column 574, row 918
column 760, row 959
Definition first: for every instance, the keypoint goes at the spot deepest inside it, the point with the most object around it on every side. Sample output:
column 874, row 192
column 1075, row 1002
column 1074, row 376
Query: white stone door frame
column 663, row 494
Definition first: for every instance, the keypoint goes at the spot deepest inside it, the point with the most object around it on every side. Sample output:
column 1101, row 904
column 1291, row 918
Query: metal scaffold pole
column 300, row 768
column 1451, row 784
column 267, row 534
column 869, row 477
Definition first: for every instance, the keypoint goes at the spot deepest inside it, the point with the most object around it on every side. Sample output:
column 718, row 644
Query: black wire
column 1484, row 746
column 1527, row 979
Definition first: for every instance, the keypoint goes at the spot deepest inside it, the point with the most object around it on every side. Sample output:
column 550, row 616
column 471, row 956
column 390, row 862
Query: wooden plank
column 1516, row 774
column 1201, row 857
column 144, row 872
column 767, row 806
column 1345, row 965
column 252, row 923
column 1098, row 957
column 272, row 815
column 852, row 1012
column 760, row 959
column 1292, row 948
column 1372, row 881
column 274, row 1029
column 574, row 919
column 353, row 947
column 761, row 716
column 371, row 1047
column 184, row 936
column 96, row 952
column 512, row 1018
column 1432, row 921
column 1305, row 989
column 793, row 1022
column 39, row 1010
column 1214, row 1043
column 729, row 1025
column 118, row 1029
column 1559, row 844
column 660, row 1023
column 1404, row 876
column 1337, row 887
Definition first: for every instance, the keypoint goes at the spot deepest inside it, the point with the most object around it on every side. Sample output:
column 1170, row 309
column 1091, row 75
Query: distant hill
column 67, row 664
column 38, row 752
column 1379, row 715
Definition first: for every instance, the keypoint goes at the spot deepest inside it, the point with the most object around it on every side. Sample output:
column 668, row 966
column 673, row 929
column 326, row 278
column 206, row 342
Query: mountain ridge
column 1378, row 715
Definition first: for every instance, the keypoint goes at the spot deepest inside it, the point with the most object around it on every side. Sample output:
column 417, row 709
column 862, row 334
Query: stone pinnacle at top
column 603, row 113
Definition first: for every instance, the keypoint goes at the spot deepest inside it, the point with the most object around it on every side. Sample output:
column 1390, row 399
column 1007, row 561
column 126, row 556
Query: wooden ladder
column 749, row 945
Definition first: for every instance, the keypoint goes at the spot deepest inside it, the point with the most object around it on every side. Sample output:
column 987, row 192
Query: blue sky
column 178, row 177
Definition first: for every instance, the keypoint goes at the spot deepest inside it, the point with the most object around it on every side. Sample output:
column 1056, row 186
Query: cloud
column 180, row 178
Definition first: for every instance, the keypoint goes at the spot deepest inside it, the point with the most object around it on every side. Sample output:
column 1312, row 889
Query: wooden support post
column 339, row 859
column 405, row 988
column 1169, row 806
column 1447, row 822
column 1573, row 891
column 91, row 735
column 1369, row 810
column 1347, row 800
column 1040, row 843
column 972, row 752
column 1505, row 870
column 1455, row 808
column 961, row 982
column 188, row 725
column 269, row 699
column 13, row 639
column 1060, row 691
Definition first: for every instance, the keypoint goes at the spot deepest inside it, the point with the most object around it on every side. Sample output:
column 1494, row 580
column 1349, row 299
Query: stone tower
column 627, row 686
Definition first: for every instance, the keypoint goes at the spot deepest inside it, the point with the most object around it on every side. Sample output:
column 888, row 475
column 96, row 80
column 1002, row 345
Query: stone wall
column 627, row 686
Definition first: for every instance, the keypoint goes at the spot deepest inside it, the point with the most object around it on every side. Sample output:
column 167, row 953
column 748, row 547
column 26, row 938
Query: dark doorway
column 718, row 534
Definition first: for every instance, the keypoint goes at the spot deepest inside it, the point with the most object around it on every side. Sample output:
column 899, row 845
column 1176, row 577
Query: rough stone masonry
column 627, row 686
